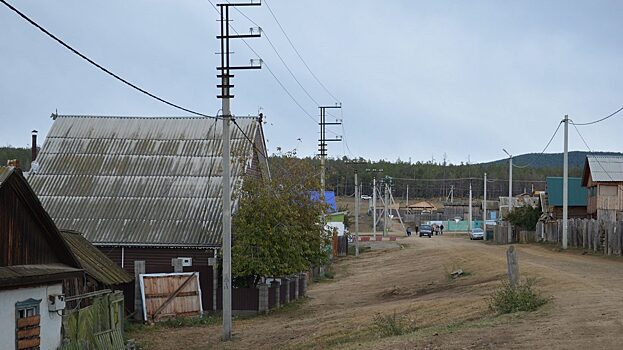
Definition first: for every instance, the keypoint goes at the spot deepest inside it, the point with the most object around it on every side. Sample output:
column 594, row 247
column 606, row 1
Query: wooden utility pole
column 224, row 73
column 513, row 266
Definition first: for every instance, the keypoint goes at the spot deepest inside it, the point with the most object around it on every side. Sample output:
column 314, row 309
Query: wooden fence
column 603, row 237
column 97, row 326
column 167, row 295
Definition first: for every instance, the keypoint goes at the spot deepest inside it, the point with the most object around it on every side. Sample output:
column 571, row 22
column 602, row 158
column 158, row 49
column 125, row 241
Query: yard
column 411, row 278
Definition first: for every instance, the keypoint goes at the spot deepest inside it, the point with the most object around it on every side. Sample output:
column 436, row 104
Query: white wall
column 50, row 321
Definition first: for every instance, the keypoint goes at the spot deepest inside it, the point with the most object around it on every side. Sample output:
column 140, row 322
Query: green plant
column 525, row 217
column 179, row 322
column 390, row 325
column 522, row 297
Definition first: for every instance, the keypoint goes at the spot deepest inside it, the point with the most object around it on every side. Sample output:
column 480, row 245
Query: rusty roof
column 134, row 181
column 94, row 262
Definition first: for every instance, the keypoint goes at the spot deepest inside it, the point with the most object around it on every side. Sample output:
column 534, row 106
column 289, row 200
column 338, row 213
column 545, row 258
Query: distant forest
column 424, row 179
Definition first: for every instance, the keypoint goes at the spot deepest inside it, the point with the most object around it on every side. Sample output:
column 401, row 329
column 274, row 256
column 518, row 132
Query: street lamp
column 510, row 193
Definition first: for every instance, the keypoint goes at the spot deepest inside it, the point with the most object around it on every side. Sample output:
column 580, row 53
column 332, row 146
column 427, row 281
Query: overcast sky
column 417, row 79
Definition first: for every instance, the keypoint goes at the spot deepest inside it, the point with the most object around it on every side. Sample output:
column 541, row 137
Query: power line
column 270, row 71
column 79, row 54
column 591, row 151
column 600, row 120
column 544, row 149
column 298, row 53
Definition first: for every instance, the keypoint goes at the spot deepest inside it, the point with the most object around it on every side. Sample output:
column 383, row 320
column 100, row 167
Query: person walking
column 441, row 229
column 408, row 231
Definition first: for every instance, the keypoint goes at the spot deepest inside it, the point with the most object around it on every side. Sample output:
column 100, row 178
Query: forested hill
column 550, row 160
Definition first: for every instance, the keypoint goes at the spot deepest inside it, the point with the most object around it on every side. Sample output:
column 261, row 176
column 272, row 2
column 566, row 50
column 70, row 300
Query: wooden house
column 146, row 189
column 603, row 177
column 34, row 262
column 577, row 201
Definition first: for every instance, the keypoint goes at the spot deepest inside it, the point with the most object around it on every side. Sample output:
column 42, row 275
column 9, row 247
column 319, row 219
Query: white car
column 365, row 197
column 477, row 233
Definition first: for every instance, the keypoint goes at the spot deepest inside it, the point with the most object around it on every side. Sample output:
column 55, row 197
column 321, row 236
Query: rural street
column 411, row 278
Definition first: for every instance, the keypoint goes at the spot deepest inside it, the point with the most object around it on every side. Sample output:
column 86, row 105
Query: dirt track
column 586, row 310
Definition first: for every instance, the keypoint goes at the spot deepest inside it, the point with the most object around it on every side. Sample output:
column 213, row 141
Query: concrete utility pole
column 470, row 207
column 407, row 205
column 322, row 144
column 484, row 210
column 225, row 96
column 510, row 193
column 374, row 207
column 565, row 185
column 385, row 210
column 356, row 215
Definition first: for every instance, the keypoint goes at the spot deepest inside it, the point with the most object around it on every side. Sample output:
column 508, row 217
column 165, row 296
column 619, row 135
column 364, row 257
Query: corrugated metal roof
column 4, row 173
column 140, row 181
column 93, row 261
column 21, row 275
column 605, row 168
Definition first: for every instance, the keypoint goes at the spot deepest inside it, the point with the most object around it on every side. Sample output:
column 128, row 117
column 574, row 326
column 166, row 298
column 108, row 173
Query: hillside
column 551, row 160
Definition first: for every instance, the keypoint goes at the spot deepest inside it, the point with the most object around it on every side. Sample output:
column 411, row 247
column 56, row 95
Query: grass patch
column 523, row 297
column 394, row 324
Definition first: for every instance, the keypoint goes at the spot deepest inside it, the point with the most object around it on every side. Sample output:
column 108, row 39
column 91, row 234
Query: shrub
column 390, row 325
column 522, row 297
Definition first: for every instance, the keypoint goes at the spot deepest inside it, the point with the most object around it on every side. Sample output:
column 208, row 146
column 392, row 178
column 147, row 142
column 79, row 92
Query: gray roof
column 142, row 181
column 605, row 168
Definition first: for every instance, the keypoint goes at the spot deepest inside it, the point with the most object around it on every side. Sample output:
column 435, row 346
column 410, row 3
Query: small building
column 34, row 262
column 421, row 207
column 577, row 199
column 147, row 189
column 603, row 178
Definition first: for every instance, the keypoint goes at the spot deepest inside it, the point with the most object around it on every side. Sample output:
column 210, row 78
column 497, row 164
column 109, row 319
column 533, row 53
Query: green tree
column 277, row 228
column 525, row 217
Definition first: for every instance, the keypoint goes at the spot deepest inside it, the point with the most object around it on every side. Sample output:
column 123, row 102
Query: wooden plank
column 174, row 295
column 28, row 321
column 28, row 333
column 28, row 343
column 166, row 295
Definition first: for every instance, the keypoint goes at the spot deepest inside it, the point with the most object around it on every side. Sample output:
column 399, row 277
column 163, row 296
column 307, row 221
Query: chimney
column 33, row 149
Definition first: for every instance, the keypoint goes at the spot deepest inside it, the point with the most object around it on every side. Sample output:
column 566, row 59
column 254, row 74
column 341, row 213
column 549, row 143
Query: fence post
column 296, row 285
column 286, row 281
column 262, row 304
column 513, row 266
column 139, row 268
column 304, row 281
column 276, row 285
column 177, row 265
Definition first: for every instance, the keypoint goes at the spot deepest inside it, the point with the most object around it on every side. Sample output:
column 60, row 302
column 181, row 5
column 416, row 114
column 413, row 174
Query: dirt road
column 585, row 312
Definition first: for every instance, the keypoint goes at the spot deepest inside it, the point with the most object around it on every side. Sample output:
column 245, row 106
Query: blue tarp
column 329, row 198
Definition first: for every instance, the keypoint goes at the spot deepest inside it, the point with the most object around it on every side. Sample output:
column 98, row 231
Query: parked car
column 365, row 197
column 477, row 233
column 426, row 230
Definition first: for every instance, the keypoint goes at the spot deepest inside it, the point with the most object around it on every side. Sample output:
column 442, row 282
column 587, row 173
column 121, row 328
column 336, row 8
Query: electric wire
column 105, row 70
column 298, row 53
column 544, row 149
column 601, row 119
column 591, row 151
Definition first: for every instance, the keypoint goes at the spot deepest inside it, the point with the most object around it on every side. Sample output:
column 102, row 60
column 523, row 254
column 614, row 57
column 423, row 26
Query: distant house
column 603, row 178
column 146, row 189
column 34, row 262
column 578, row 197
column 420, row 207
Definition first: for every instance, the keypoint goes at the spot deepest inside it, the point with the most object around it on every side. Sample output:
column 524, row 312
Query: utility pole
column 225, row 96
column 322, row 144
column 510, row 194
column 374, row 171
column 407, row 205
column 385, row 212
column 356, row 215
column 484, row 210
column 470, row 207
column 565, row 185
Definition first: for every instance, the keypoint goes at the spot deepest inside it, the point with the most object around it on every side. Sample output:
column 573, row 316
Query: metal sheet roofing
column 605, row 168
column 578, row 195
column 141, row 181
column 94, row 262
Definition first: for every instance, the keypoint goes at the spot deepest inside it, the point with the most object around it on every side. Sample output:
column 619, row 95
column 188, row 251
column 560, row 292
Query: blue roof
column 577, row 194
column 329, row 198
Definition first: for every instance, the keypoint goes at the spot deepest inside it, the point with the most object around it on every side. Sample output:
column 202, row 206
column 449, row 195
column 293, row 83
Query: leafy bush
column 390, row 325
column 525, row 217
column 522, row 297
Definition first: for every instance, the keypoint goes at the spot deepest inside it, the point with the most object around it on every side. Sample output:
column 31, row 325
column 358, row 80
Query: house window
column 27, row 328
